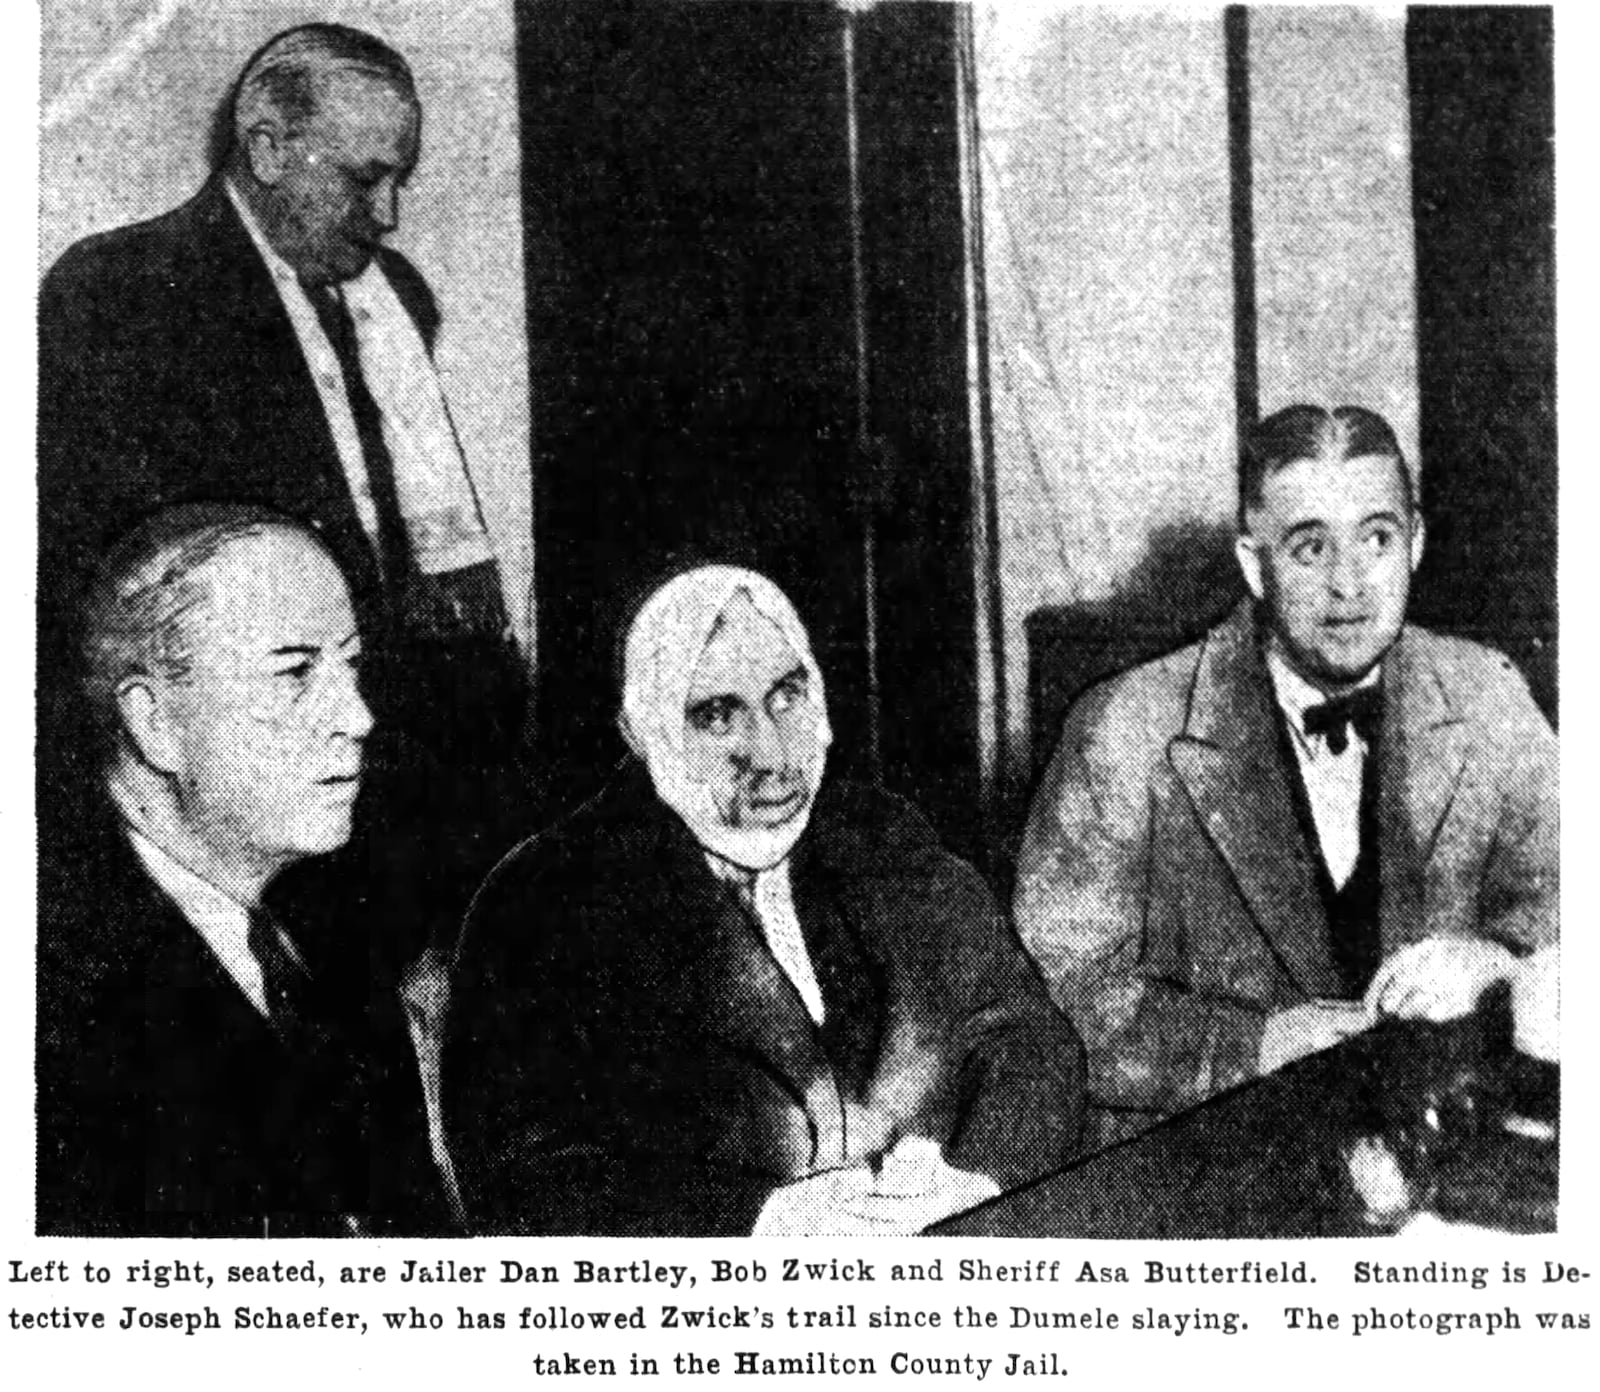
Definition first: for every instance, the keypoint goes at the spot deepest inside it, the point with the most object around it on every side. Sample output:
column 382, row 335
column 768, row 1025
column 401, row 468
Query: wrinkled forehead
column 265, row 592
column 1332, row 491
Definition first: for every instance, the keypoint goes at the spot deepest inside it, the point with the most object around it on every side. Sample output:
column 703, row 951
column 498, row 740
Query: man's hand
column 1309, row 1029
column 1438, row 979
column 914, row 1189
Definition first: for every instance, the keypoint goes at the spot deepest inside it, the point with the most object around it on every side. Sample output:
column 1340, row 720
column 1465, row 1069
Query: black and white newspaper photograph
column 858, row 691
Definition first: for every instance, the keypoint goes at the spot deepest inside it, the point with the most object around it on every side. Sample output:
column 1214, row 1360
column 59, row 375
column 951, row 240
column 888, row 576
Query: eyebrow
column 296, row 650
column 798, row 670
column 698, row 703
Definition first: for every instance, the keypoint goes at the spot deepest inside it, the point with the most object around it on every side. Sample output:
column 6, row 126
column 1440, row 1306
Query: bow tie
column 1360, row 711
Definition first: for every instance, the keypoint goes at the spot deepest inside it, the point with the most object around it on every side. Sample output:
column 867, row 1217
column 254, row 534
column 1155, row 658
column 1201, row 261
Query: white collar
column 199, row 899
column 222, row 923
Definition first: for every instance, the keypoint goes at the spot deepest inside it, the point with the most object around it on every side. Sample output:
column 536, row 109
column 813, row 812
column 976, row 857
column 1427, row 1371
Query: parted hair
column 1313, row 432
column 283, row 75
column 134, row 620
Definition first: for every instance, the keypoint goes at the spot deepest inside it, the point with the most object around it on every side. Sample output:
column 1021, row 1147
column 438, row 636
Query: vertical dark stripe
column 1247, row 385
column 1482, row 104
column 1000, row 777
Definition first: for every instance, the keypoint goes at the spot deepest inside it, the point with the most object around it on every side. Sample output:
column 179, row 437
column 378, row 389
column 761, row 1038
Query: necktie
column 394, row 551
column 1361, row 711
column 282, row 978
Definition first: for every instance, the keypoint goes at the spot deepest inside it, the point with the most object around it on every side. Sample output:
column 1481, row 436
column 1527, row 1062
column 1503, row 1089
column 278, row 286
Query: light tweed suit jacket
column 1164, row 886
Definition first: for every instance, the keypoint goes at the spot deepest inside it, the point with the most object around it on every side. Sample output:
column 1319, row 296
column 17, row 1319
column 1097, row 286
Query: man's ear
column 149, row 724
column 1246, row 550
column 1417, row 530
column 266, row 146
column 630, row 735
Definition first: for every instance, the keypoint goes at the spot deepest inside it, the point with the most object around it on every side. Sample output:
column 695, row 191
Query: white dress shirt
column 444, row 525
column 223, row 923
column 324, row 364
column 1332, row 781
column 772, row 900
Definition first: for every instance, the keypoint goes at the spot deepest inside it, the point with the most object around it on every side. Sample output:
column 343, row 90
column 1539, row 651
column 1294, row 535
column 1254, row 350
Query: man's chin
column 1334, row 666
column 343, row 264
column 324, row 837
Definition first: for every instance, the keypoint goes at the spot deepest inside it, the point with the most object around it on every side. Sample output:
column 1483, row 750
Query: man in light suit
column 208, row 1063
column 1251, row 848
column 261, row 344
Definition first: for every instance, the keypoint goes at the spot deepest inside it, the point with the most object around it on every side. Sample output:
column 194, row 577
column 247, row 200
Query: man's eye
column 1307, row 551
column 786, row 695
column 296, row 677
column 711, row 717
column 1380, row 539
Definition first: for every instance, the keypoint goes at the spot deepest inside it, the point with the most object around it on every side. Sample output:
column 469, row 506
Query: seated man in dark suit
column 205, row 1065
column 730, row 995
column 1251, row 848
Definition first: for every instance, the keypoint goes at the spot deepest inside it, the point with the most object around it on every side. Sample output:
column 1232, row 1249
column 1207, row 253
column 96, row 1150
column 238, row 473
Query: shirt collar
column 200, row 901
column 775, row 878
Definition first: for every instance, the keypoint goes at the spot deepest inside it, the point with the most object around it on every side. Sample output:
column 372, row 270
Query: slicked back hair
column 1313, row 432
column 285, row 73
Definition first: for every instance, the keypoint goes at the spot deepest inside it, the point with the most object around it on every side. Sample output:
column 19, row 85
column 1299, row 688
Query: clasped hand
column 1437, row 979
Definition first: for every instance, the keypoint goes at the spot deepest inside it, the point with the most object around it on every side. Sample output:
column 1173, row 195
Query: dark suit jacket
column 169, row 371
column 1167, row 893
column 166, row 1105
column 627, row 1056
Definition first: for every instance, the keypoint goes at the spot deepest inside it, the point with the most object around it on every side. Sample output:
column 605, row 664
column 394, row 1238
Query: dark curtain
column 1482, row 123
column 686, row 193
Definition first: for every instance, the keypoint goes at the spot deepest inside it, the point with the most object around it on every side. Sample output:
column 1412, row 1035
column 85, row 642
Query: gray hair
column 284, row 74
column 135, row 614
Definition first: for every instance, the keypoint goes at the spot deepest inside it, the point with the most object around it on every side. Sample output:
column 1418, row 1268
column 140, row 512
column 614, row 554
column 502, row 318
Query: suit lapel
column 852, row 994
column 1229, row 762
column 187, row 990
column 1421, row 757
column 249, row 315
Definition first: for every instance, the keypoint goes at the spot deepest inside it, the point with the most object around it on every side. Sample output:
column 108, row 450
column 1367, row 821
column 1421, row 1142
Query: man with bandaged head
column 732, row 995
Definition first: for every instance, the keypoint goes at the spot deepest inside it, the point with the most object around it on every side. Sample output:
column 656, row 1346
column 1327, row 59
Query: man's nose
column 765, row 750
column 351, row 715
column 1345, row 572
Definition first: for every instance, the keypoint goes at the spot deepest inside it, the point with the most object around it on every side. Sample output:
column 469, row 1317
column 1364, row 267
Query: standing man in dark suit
column 260, row 343
column 206, row 1064
column 1251, row 848
column 730, row 995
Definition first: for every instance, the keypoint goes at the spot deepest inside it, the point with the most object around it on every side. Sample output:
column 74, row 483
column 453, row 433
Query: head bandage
column 663, row 649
